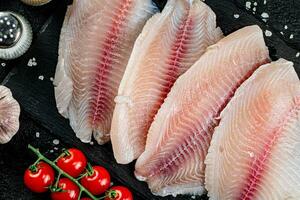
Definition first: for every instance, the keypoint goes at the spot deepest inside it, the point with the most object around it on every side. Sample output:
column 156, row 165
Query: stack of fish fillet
column 199, row 111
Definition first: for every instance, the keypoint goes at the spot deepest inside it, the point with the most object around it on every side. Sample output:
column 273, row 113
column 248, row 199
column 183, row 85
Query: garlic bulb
column 9, row 115
column 35, row 2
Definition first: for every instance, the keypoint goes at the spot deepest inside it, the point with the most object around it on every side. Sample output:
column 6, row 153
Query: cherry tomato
column 98, row 182
column 69, row 191
column 85, row 198
column 39, row 178
column 74, row 163
column 119, row 193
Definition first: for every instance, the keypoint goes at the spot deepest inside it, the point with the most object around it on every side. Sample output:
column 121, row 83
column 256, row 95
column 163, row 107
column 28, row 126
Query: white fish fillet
column 9, row 115
column 170, row 43
column 96, row 41
column 255, row 151
column 178, row 139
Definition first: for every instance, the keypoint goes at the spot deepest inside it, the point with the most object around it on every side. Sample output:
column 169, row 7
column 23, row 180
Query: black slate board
column 36, row 96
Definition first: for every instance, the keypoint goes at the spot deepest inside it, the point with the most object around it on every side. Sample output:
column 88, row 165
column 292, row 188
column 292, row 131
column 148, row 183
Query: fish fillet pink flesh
column 178, row 139
column 255, row 150
column 9, row 115
column 96, row 41
column 170, row 43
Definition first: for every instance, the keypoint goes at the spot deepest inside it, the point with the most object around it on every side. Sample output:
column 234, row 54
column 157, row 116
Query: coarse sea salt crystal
column 255, row 3
column 265, row 15
column 37, row 134
column 298, row 55
column 285, row 27
column 56, row 141
column 236, row 16
column 32, row 62
column 29, row 64
column 265, row 2
column 248, row 4
column 41, row 77
column 51, row 79
column 3, row 64
column 268, row 33
column 291, row 36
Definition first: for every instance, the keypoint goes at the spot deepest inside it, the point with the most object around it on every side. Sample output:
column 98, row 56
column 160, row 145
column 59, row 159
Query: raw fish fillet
column 96, row 41
column 170, row 43
column 255, row 151
column 178, row 139
column 9, row 115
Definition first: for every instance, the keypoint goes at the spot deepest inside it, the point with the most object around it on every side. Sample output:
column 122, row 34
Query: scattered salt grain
column 32, row 62
column 285, row 27
column 265, row 15
column 193, row 197
column 37, row 134
column 51, row 151
column 297, row 55
column 41, row 77
column 281, row 33
column 92, row 143
column 268, row 33
column 3, row 64
column 111, row 183
column 255, row 3
column 236, row 16
column 248, row 5
column 56, row 141
column 291, row 36
column 51, row 79
column 29, row 64
column 265, row 2
column 55, row 148
column 254, row 9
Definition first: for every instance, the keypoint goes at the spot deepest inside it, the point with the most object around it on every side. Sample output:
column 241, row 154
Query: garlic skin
column 36, row 2
column 9, row 115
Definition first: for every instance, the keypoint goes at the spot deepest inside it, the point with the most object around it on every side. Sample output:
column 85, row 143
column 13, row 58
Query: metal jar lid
column 15, row 35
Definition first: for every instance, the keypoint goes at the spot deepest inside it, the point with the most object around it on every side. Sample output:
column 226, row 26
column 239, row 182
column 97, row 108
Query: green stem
column 89, row 169
column 60, row 171
column 57, row 179
column 80, row 195
column 37, row 162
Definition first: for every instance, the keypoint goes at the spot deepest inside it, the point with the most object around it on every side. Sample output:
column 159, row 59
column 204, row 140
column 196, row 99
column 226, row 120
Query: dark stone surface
column 36, row 96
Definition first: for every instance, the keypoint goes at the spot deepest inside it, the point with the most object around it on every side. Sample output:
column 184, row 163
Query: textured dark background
column 36, row 96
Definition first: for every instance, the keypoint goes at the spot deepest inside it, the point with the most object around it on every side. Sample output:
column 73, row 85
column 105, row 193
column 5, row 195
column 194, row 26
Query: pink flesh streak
column 178, row 51
column 97, row 104
column 259, row 165
column 202, row 135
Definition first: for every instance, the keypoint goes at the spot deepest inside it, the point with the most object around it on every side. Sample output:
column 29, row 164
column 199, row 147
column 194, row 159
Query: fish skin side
column 254, row 153
column 170, row 43
column 95, row 44
column 179, row 137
